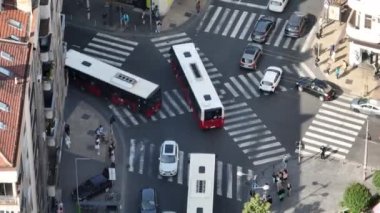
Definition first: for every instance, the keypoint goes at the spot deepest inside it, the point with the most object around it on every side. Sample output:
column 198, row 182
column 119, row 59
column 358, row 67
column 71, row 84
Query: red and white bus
column 197, row 87
column 121, row 87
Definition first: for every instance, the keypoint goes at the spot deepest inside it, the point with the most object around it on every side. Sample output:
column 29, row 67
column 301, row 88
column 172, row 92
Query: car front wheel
column 300, row 88
column 356, row 110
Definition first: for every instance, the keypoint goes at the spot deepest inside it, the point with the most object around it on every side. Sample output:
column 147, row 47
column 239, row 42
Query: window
column 196, row 72
column 187, row 54
column 199, row 210
column 15, row 23
column 4, row 107
column 201, row 169
column 5, row 72
column 6, row 189
column 2, row 126
column 201, row 186
column 15, row 38
column 86, row 63
column 207, row 97
column 368, row 21
column 6, row 56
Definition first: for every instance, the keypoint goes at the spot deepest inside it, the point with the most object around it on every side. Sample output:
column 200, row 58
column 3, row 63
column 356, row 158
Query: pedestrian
column 337, row 72
column 143, row 17
column 281, row 194
column 285, row 175
column 279, row 186
column 67, row 129
column 329, row 63
column 112, row 157
column 269, row 199
column 112, row 119
column 198, row 6
column 332, row 49
column 344, row 65
column 67, row 141
column 289, row 188
column 97, row 146
column 158, row 26
column 274, row 177
column 111, row 148
column 125, row 20
column 323, row 152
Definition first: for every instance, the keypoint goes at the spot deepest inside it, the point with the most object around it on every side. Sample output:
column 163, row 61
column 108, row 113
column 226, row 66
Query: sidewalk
column 317, row 185
column 106, row 18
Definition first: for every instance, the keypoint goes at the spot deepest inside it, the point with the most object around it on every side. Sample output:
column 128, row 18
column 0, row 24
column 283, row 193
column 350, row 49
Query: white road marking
column 327, row 132
column 308, row 39
column 262, row 147
column 172, row 42
column 296, row 44
column 117, row 39
column 308, row 70
column 345, row 111
column 334, row 114
column 231, row 89
column 103, row 54
column 214, row 69
column 298, row 71
column 242, row 124
column 130, row 116
column 281, row 35
column 238, row 112
column 334, row 127
column 240, row 88
column 319, row 144
column 247, row 26
column 229, row 180
column 267, row 160
column 246, row 4
column 253, row 142
column 250, row 129
column 253, row 79
column 118, row 115
column 238, row 182
column 142, row 118
column 222, row 20
column 329, row 153
column 183, row 102
column 286, row 43
column 109, row 43
column 167, row 109
column 161, row 114
column 328, row 139
column 151, row 161
column 180, row 168
column 234, row 106
column 286, row 69
column 219, row 176
column 250, row 87
column 213, row 19
column 268, row 42
column 108, row 49
column 132, row 152
column 238, row 24
column 250, row 136
column 204, row 17
column 113, row 63
column 230, row 22
column 168, row 37
column 239, row 118
column 142, row 155
column 338, row 122
column 173, row 103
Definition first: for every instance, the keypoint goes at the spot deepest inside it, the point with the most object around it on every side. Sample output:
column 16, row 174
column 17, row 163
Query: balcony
column 9, row 201
column 47, row 75
column 49, row 104
column 51, row 128
column 356, row 30
column 45, row 9
column 52, row 174
column 45, row 39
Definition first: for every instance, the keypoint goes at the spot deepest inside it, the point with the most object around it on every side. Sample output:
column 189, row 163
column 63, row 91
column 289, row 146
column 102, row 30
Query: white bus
column 200, row 194
column 197, row 87
column 119, row 86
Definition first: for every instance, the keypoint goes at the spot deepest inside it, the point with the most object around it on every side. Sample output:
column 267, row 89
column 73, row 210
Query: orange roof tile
column 14, row 23
column 11, row 94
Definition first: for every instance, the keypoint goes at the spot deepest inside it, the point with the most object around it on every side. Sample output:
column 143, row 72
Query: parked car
column 168, row 158
column 366, row 106
column 271, row 79
column 296, row 25
column 316, row 87
column 277, row 5
column 92, row 187
column 263, row 28
column 149, row 201
column 251, row 55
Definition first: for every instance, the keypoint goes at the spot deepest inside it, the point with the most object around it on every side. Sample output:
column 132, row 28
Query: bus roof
column 201, row 182
column 109, row 74
column 197, row 76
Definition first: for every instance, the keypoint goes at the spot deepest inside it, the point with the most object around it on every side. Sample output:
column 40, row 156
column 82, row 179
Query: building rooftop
column 13, row 72
column 14, row 24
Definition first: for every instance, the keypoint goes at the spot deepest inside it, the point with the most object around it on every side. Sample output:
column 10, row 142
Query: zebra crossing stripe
column 250, row 87
column 222, row 20
column 234, row 106
column 161, row 38
column 142, row 118
column 216, row 75
column 219, row 176
column 327, row 132
column 270, row 152
column 103, row 54
column 239, row 170
column 286, row 69
column 253, row 142
column 209, row 64
column 161, row 114
column 240, row 88
column 238, row 24
column 247, row 123
column 330, row 153
column 253, row 79
column 172, row 42
column 229, row 180
column 286, row 43
column 132, row 152
column 180, row 168
column 109, row 43
column 308, row 70
column 260, row 73
column 250, row 129
column 281, row 35
column 319, row 144
column 142, row 155
column 180, row 98
column 113, row 63
column 338, row 122
column 117, row 39
column 239, row 118
column 153, row 118
column 345, row 111
column 204, row 18
column 130, row 116
column 247, row 26
column 214, row 69
column 282, row 88
column 151, row 154
column 267, row 160
column 246, row 4
column 167, row 109
column 296, row 44
column 300, row 73
column 213, row 19
column 334, row 127
column 230, row 22
column 204, row 60
column 347, row 97
column 166, row 55
column 328, row 139
column 164, row 50
column 238, row 112
column 343, row 117
column 118, row 115
column 108, row 49
column 250, row 136
column 262, row 147
column 340, row 103
column 232, row 90
column 308, row 39
column 279, row 20
column 173, row 103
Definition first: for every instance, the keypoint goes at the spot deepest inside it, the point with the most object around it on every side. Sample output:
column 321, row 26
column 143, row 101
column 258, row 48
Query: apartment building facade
column 363, row 30
column 33, row 87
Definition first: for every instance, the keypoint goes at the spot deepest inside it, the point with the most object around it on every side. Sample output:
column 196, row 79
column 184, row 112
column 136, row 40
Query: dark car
column 262, row 29
column 148, row 201
column 251, row 56
column 92, row 187
column 316, row 87
column 296, row 25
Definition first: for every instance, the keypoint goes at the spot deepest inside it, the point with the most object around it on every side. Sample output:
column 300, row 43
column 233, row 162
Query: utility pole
column 365, row 153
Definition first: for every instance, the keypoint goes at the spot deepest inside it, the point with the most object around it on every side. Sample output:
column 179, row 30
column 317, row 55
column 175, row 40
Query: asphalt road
column 260, row 129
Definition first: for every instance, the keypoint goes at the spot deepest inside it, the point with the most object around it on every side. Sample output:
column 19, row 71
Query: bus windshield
column 213, row 113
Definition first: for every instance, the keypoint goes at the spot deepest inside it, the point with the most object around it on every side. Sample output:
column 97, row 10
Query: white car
column 366, row 106
column 271, row 79
column 168, row 158
column 277, row 5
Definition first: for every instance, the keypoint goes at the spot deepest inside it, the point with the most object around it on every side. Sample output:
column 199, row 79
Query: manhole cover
column 85, row 116
column 172, row 25
column 187, row 14
column 348, row 81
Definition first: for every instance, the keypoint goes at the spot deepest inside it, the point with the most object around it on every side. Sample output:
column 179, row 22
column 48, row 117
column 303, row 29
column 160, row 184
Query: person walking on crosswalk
column 125, row 20
column 158, row 26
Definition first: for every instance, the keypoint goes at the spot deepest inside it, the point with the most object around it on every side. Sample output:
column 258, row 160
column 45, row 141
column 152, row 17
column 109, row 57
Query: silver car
column 168, row 158
column 251, row 56
column 366, row 106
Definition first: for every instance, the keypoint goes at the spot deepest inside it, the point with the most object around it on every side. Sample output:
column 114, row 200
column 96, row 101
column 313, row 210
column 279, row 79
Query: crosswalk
column 237, row 24
column 335, row 126
column 164, row 43
column 229, row 181
column 251, row 135
column 110, row 49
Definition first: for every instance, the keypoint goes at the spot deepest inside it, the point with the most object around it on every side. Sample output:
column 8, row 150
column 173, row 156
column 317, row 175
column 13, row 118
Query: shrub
column 356, row 197
column 376, row 179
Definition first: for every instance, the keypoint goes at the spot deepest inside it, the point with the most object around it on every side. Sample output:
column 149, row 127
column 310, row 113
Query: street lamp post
column 365, row 153
column 76, row 176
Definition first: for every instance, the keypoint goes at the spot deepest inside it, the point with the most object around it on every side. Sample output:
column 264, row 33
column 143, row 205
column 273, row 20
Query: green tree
column 256, row 205
column 356, row 197
column 376, row 179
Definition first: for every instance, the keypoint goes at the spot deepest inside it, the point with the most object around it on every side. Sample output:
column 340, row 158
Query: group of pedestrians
column 99, row 137
column 283, row 186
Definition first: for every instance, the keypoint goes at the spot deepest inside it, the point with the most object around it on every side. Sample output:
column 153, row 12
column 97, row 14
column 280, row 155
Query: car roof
column 295, row 18
column 148, row 193
column 374, row 102
column 98, row 179
column 169, row 147
column 270, row 75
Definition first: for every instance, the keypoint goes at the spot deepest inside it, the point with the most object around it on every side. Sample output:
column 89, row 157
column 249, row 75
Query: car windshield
column 250, row 50
column 275, row 3
column 363, row 101
column 167, row 159
column 148, row 205
column 267, row 83
column 262, row 26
